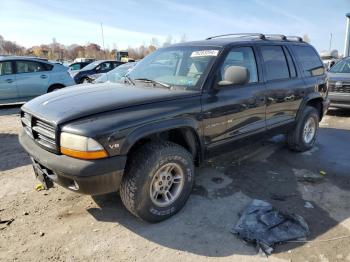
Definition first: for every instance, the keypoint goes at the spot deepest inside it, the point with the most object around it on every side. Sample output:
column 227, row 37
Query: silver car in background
column 23, row 78
column 339, row 84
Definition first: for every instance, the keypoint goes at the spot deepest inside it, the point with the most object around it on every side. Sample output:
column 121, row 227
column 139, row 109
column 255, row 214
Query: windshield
column 116, row 74
column 179, row 66
column 91, row 65
column 342, row 66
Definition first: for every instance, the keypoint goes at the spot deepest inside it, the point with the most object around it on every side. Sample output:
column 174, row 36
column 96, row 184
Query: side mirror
column 235, row 75
column 98, row 68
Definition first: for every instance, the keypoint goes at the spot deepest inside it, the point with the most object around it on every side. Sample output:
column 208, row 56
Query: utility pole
column 330, row 42
column 103, row 38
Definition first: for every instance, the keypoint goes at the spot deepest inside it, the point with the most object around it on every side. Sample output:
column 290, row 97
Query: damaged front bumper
column 90, row 177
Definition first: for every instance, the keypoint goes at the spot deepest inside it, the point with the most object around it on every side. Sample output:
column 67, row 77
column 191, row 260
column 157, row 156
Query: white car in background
column 23, row 78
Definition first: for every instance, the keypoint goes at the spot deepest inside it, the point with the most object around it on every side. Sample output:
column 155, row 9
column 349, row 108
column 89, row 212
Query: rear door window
column 291, row 65
column 310, row 62
column 31, row 67
column 5, row 68
column 275, row 62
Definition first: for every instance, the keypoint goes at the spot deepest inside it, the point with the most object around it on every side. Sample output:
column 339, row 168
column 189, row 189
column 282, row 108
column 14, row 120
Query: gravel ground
column 59, row 225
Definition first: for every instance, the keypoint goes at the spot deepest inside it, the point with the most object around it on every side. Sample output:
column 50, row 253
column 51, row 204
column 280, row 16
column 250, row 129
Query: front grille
column 42, row 132
column 344, row 88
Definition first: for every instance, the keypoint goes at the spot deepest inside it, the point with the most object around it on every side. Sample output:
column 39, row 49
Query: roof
column 10, row 57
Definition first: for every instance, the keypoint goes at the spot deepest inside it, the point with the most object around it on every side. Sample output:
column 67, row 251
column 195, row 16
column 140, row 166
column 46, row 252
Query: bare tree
column 168, row 41
column 183, row 38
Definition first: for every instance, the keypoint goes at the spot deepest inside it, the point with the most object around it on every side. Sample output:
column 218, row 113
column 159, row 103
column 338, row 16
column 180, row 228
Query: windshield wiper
column 154, row 82
column 127, row 77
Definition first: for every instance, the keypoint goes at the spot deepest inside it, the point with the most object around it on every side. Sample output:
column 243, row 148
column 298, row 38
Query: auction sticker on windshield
column 205, row 53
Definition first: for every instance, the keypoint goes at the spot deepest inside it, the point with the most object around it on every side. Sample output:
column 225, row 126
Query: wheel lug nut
column 160, row 183
column 169, row 183
column 161, row 188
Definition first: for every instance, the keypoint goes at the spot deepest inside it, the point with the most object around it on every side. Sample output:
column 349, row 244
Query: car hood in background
column 338, row 77
column 84, row 100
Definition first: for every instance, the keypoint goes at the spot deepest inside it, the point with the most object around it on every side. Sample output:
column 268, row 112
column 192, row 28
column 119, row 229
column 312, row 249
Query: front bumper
column 90, row 177
column 339, row 100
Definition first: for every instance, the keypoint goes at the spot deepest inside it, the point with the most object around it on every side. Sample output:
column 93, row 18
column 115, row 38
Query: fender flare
column 157, row 127
column 306, row 100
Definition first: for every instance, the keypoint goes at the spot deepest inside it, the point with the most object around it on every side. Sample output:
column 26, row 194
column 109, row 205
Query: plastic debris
column 265, row 226
column 39, row 187
column 308, row 205
column 322, row 173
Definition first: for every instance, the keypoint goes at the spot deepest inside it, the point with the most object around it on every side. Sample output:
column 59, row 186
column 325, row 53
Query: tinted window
column 31, row 67
column 75, row 66
column 275, row 63
column 5, row 68
column 241, row 56
column 309, row 60
column 291, row 65
column 106, row 66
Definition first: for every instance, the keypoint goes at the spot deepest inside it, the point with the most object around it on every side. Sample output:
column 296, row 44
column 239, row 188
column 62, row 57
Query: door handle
column 9, row 80
column 43, row 76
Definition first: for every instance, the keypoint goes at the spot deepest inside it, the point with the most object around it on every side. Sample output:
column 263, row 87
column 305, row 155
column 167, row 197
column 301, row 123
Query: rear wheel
column 304, row 135
column 55, row 88
column 158, row 181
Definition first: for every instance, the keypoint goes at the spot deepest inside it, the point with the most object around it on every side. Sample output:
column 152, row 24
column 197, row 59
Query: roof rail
column 282, row 37
column 297, row 38
column 258, row 35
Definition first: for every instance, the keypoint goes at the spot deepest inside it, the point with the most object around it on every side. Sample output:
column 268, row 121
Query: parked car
column 23, row 78
column 116, row 74
column 339, row 84
column 78, row 65
column 180, row 105
column 97, row 67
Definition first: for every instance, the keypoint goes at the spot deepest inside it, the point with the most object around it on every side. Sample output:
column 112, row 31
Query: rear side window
column 309, row 60
column 31, row 67
column 275, row 63
column 5, row 68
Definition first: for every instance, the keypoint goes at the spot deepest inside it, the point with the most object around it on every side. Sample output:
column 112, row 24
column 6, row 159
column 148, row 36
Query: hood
column 83, row 100
column 344, row 77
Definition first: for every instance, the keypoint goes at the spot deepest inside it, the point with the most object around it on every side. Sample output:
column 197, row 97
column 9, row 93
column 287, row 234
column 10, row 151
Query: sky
column 135, row 22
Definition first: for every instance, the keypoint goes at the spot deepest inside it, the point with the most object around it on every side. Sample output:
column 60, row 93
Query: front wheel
column 158, row 181
column 304, row 135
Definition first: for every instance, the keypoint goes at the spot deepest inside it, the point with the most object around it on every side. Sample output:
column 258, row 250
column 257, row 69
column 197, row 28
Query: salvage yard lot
column 60, row 225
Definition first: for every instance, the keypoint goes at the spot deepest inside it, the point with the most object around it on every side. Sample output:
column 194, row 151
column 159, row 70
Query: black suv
column 178, row 106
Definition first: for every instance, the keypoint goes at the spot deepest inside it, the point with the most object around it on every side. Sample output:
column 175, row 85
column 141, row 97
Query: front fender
column 156, row 127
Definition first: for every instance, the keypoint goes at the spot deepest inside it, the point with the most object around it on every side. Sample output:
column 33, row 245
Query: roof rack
column 297, row 38
column 258, row 35
column 261, row 36
column 282, row 37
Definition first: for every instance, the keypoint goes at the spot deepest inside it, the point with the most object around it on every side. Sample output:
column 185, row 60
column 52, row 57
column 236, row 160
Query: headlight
column 81, row 147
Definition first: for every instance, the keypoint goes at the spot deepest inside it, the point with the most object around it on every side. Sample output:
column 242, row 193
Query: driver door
column 235, row 111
